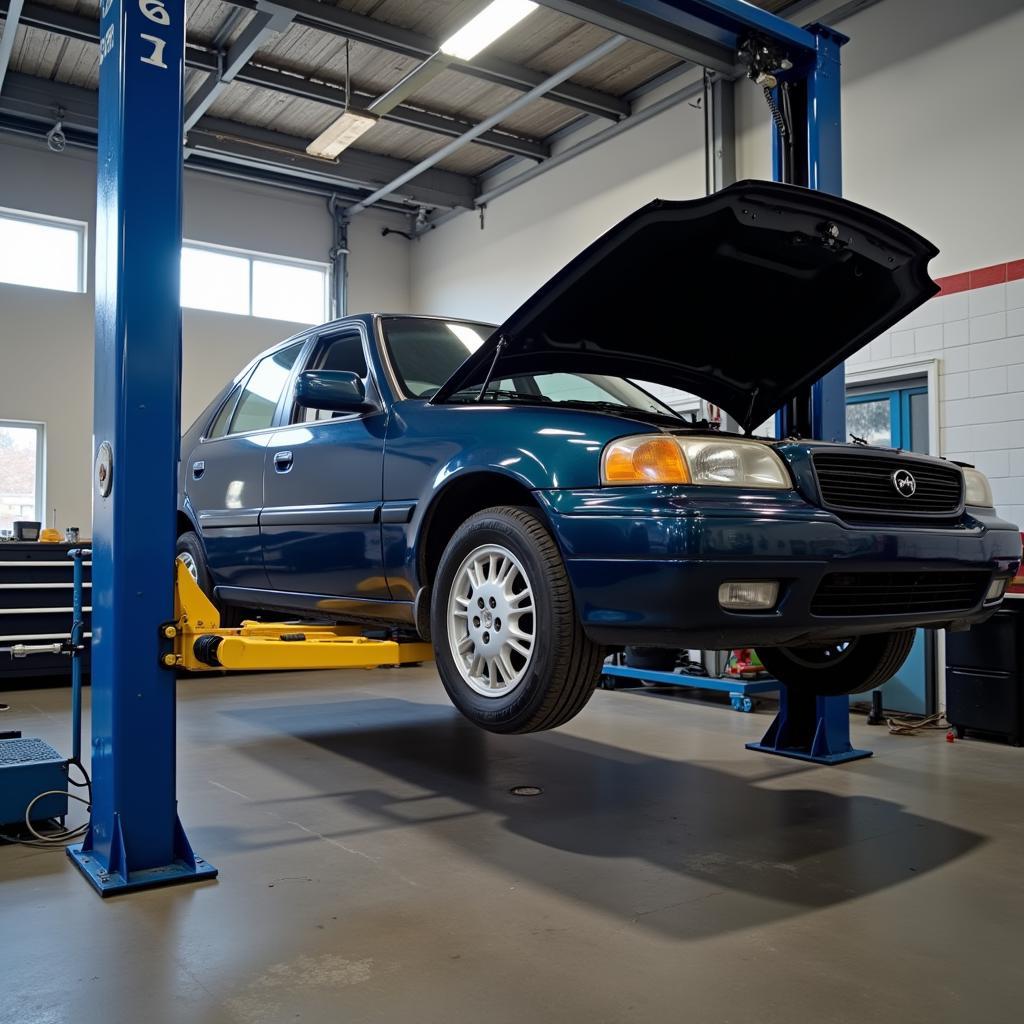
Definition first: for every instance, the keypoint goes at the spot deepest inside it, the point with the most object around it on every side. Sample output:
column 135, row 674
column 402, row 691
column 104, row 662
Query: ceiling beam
column 32, row 99
column 650, row 30
column 52, row 19
column 552, row 82
column 413, row 117
column 7, row 39
column 263, row 25
column 337, row 21
column 85, row 29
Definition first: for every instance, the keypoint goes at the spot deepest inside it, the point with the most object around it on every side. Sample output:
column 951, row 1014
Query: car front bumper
column 646, row 563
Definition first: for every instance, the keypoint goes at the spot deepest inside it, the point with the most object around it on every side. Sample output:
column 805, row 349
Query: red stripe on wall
column 998, row 273
column 953, row 283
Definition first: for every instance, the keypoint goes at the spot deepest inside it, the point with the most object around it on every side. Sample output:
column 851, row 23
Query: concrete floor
column 375, row 867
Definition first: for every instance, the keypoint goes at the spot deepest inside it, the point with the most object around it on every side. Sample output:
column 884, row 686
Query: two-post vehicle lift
column 135, row 838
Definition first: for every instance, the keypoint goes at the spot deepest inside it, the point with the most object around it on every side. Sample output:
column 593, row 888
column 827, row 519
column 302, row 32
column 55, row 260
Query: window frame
column 40, row 428
column 253, row 255
column 80, row 227
column 302, row 342
column 319, row 339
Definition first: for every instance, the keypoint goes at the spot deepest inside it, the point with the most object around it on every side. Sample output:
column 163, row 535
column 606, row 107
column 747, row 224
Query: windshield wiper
column 496, row 395
column 620, row 408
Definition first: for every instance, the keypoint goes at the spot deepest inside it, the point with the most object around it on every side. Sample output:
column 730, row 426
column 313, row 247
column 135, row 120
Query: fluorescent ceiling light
column 493, row 21
column 341, row 134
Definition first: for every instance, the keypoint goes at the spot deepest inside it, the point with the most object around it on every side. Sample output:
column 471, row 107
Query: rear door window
column 220, row 424
column 262, row 392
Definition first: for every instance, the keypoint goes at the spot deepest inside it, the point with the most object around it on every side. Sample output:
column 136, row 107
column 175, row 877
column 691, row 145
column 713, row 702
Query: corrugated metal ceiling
column 545, row 41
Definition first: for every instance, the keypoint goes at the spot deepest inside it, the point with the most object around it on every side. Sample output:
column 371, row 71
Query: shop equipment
column 985, row 674
column 33, row 776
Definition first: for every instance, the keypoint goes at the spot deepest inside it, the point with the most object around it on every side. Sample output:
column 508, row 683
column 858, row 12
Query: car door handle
column 198, row 469
column 283, row 461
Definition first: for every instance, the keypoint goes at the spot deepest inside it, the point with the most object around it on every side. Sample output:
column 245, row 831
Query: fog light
column 996, row 589
column 759, row 595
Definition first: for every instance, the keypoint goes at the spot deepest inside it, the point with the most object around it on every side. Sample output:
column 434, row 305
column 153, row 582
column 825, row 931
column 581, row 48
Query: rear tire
column 509, row 646
column 835, row 670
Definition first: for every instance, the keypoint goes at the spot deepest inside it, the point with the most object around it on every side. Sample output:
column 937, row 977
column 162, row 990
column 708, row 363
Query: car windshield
column 426, row 352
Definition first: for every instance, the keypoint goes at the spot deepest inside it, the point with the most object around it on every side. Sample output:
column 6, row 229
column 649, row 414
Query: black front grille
column 899, row 593
column 862, row 484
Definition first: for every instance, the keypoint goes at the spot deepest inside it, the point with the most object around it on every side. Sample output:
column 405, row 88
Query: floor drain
column 526, row 791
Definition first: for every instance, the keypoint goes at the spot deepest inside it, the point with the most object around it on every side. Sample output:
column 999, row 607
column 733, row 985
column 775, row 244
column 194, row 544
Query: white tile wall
column 978, row 338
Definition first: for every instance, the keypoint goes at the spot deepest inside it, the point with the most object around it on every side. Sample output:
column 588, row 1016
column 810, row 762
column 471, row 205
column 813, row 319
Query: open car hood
column 742, row 297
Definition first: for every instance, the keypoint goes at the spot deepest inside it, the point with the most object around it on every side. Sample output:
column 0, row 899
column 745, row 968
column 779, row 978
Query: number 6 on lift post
column 159, row 15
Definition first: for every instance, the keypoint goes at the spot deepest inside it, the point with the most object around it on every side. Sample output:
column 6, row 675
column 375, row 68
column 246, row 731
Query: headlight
column 663, row 459
column 976, row 488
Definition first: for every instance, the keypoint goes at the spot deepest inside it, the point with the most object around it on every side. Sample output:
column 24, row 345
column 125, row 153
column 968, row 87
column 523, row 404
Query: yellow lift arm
column 201, row 645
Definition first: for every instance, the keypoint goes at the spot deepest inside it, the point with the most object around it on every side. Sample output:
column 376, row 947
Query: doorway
column 897, row 417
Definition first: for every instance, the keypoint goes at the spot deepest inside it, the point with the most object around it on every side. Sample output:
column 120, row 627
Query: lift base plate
column 107, row 884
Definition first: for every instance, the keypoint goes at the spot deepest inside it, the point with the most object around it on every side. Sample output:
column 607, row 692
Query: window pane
column 256, row 407
column 870, row 421
column 220, row 424
column 918, row 423
column 39, row 254
column 214, row 280
column 425, row 352
column 283, row 292
column 19, row 486
column 342, row 353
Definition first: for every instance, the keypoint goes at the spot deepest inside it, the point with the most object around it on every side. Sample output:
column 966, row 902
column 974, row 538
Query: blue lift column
column 814, row 728
column 135, row 839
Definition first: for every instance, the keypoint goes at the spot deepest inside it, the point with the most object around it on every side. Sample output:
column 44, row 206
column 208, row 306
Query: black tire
column 654, row 659
column 835, row 670
column 190, row 545
column 564, row 666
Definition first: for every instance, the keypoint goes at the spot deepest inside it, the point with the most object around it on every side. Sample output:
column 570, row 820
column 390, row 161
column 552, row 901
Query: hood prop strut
column 490, row 370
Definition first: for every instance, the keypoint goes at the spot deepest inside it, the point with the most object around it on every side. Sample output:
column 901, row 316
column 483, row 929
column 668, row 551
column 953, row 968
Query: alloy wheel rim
column 491, row 621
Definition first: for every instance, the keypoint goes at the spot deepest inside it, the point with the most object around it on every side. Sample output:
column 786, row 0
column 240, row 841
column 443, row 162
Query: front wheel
column 857, row 665
column 509, row 646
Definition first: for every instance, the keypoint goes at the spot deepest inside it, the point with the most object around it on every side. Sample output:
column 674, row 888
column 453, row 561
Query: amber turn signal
column 644, row 460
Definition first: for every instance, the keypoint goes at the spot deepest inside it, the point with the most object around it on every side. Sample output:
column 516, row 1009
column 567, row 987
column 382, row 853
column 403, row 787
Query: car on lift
column 520, row 496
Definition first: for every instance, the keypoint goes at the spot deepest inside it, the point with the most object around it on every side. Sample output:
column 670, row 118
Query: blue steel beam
column 707, row 32
column 135, row 839
column 825, row 172
column 807, row 727
column 263, row 25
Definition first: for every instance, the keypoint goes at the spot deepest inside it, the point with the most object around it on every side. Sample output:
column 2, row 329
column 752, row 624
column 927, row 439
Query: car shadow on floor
column 683, row 848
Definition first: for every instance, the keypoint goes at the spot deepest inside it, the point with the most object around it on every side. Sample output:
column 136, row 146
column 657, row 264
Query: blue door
column 224, row 472
column 898, row 418
column 322, row 490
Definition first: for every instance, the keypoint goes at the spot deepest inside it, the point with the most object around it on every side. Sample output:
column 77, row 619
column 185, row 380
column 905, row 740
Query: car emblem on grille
column 904, row 483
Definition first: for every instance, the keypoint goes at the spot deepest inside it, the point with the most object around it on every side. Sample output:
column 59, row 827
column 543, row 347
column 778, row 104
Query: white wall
column 52, row 331
column 976, row 338
column 530, row 233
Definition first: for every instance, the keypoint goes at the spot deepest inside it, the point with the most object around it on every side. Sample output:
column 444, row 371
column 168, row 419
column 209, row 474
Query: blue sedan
column 520, row 496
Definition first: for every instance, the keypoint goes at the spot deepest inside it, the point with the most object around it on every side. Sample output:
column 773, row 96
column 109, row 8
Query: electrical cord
column 777, row 117
column 60, row 838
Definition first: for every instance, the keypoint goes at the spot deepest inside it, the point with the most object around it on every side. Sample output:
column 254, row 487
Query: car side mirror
column 332, row 390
